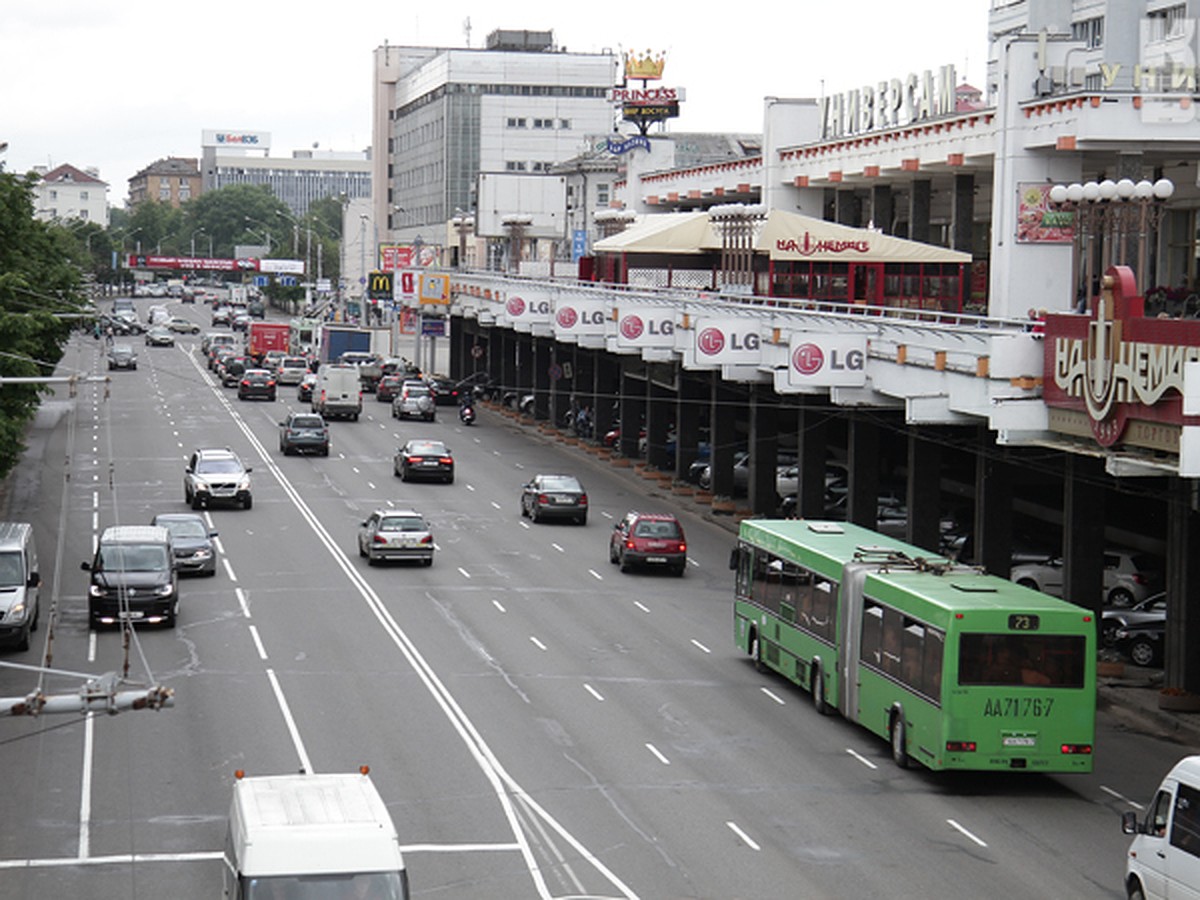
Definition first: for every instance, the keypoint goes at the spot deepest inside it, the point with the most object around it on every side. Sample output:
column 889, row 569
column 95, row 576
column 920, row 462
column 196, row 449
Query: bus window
column 911, row 656
column 872, row 635
column 892, row 641
column 1026, row 659
column 822, row 616
column 931, row 684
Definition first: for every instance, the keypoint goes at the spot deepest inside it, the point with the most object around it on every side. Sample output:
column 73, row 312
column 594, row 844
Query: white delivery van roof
column 1187, row 770
column 312, row 824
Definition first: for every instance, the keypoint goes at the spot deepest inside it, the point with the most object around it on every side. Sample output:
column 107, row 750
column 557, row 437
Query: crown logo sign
column 647, row 67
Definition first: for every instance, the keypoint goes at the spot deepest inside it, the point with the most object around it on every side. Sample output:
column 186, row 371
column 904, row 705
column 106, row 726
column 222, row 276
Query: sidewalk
column 1127, row 693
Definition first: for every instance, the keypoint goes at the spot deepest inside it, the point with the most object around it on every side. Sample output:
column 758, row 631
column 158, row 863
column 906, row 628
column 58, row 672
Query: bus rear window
column 1040, row 660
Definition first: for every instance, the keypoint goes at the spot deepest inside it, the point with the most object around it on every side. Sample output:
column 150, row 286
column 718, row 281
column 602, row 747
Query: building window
column 564, row 124
column 53, row 194
column 164, row 193
column 1167, row 23
column 516, row 123
column 83, row 214
column 185, row 193
column 514, row 166
column 83, row 195
column 602, row 194
column 543, row 123
column 1090, row 31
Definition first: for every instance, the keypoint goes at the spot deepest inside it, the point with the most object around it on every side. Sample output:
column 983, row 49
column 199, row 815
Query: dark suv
column 303, row 431
column 216, row 475
column 257, row 383
column 648, row 539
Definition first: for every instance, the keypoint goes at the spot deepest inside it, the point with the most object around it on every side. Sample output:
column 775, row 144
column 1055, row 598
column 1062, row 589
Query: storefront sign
column 646, row 326
column 827, row 360
column 889, row 104
column 810, row 246
column 1118, row 367
column 1038, row 222
column 633, row 113
column 727, row 342
column 646, row 95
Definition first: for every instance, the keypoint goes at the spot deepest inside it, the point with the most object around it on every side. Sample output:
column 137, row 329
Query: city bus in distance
column 955, row 668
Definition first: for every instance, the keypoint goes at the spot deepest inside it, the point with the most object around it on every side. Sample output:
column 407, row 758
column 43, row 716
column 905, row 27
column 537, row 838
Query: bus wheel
column 818, row 692
column 899, row 740
column 755, row 654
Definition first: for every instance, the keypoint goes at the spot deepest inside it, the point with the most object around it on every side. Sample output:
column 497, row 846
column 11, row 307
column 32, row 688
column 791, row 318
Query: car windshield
column 416, row 392
column 133, row 558
column 427, row 448
column 11, row 570
column 656, row 529
column 294, row 362
column 402, row 523
column 185, row 528
column 308, row 422
column 218, row 467
column 560, row 483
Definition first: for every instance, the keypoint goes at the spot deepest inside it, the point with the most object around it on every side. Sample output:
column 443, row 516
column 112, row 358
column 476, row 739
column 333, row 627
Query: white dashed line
column 743, row 836
column 965, row 833
column 662, row 759
column 862, row 759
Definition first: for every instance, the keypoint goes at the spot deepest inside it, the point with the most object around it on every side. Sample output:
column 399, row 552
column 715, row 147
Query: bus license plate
column 1020, row 741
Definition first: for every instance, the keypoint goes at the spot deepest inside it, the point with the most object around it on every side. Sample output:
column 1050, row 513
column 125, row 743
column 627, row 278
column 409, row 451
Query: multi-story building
column 66, row 192
column 173, row 181
column 305, row 177
column 441, row 116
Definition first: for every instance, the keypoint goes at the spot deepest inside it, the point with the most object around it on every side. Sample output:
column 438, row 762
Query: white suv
column 1129, row 577
column 216, row 475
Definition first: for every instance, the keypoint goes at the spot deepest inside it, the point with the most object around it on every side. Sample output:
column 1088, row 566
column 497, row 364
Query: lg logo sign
column 809, row 359
column 712, row 341
column 568, row 317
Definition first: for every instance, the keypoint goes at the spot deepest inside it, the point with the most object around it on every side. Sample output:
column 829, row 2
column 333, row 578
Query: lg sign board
column 827, row 360
column 527, row 308
column 727, row 342
column 579, row 317
column 645, row 326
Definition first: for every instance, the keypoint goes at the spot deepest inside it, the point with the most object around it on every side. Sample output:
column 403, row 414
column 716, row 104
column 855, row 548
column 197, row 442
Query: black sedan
column 195, row 550
column 554, row 497
column 1151, row 611
column 444, row 390
column 257, row 383
column 424, row 459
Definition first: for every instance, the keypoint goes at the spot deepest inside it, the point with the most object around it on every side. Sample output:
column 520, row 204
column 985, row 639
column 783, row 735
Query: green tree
column 237, row 214
column 41, row 299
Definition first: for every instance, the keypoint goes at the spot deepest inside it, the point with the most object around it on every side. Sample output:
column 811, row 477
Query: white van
column 311, row 836
column 20, row 582
column 337, row 393
column 1164, row 857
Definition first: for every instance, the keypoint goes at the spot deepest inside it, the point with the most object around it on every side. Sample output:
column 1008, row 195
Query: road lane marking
column 662, row 759
column 464, row 572
column 262, row 651
column 297, row 742
column 774, row 696
column 641, row 606
column 862, row 759
column 701, row 646
column 595, row 693
column 537, row 643
column 85, row 788
column 557, row 547
column 228, row 569
column 495, row 505
column 1121, row 797
column 741, row 834
column 241, row 599
column 499, row 605
column 965, row 833
column 595, row 574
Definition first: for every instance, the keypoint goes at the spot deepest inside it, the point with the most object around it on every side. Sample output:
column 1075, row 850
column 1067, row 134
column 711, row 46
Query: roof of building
column 172, row 165
column 68, row 173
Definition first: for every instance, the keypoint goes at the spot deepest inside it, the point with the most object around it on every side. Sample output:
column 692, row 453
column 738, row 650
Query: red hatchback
column 648, row 539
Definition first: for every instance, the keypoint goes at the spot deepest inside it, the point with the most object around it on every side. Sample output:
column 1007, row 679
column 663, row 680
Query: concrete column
column 1183, row 588
column 608, row 392
column 1083, row 531
column 812, row 447
column 541, row 355
column 924, row 499
column 560, row 388
column 585, row 380
column 724, row 437
column 993, row 527
column 690, row 405
column 963, row 228
column 512, row 371
column 764, row 449
column 849, row 208
column 660, row 412
column 633, row 413
column 862, row 458
column 921, row 199
column 883, row 207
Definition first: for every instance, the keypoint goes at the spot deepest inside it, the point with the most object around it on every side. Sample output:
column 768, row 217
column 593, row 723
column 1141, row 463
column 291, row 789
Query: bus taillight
column 1077, row 749
column 960, row 746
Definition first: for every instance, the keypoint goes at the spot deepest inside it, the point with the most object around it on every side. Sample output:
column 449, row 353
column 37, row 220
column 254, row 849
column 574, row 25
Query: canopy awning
column 664, row 233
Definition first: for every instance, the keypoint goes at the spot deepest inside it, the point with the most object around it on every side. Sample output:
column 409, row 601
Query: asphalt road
column 539, row 724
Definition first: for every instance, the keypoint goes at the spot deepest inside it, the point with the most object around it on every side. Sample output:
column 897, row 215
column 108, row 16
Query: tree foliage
column 41, row 298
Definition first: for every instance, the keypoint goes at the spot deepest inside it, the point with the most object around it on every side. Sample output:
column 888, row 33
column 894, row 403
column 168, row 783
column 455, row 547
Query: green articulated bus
column 955, row 668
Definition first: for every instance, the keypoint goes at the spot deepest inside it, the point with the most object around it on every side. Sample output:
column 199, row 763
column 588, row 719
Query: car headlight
column 164, row 590
column 17, row 611
column 96, row 591
column 244, row 484
column 202, row 553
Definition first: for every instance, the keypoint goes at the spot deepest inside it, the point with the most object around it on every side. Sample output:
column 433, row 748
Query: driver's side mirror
column 1130, row 823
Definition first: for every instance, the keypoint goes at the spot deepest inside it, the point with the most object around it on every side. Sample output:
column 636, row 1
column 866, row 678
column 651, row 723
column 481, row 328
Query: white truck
column 338, row 392
column 311, row 836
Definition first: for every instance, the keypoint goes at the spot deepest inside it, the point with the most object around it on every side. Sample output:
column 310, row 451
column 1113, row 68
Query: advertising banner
column 727, row 341
column 527, row 308
column 827, row 360
column 1038, row 222
column 575, row 317
column 646, row 326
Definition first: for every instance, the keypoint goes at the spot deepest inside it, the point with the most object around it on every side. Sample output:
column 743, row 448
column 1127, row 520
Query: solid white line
column 537, row 643
column 595, row 574
column 122, row 859
column 297, row 742
column 595, row 693
column 774, row 696
column 641, row 606
column 662, row 759
column 701, row 646
column 228, row 569
column 964, row 832
column 85, row 788
column 741, row 834
column 241, row 599
column 499, row 605
column 455, row 848
column 862, row 759
column 262, row 651
column 1121, row 797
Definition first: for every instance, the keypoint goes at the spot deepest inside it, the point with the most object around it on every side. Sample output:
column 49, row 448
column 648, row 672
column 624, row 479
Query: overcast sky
column 120, row 85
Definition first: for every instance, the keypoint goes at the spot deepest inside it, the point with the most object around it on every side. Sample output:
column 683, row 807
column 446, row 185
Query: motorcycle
column 466, row 414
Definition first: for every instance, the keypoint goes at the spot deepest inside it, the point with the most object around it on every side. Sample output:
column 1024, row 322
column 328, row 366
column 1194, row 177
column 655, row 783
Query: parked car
column 421, row 458
column 1142, row 643
column 195, row 549
column 415, row 400
column 389, row 534
column 304, row 390
column 158, row 336
column 182, row 326
column 1152, row 610
column 257, row 383
column 214, row 474
column 302, row 431
column 554, row 497
column 1128, row 577
column 648, row 539
column 122, row 356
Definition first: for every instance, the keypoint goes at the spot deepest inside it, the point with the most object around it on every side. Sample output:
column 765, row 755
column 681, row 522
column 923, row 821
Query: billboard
column 541, row 200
